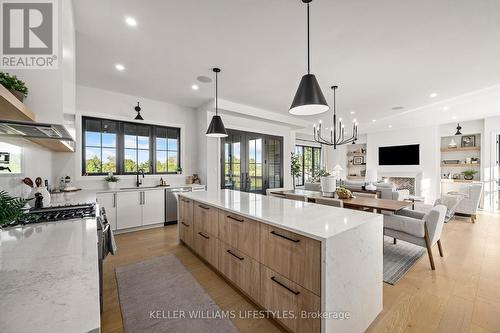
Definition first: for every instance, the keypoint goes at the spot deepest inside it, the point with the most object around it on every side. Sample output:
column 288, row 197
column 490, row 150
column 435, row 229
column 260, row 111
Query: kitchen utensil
column 38, row 182
column 28, row 181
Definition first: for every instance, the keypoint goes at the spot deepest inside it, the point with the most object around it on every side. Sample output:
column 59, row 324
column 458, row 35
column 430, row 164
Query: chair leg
column 429, row 249
column 440, row 248
column 394, row 241
column 473, row 218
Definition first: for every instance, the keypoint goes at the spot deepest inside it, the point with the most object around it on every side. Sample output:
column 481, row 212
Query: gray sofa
column 387, row 190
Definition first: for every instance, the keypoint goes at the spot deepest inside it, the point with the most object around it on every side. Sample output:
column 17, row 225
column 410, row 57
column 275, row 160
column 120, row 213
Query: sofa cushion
column 405, row 224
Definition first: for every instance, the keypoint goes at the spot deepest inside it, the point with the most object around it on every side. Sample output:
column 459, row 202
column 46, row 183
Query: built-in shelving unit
column 463, row 152
column 356, row 161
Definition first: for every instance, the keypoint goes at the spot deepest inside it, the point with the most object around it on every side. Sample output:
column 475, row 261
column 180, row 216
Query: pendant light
column 138, row 110
column 458, row 130
column 216, row 128
column 309, row 98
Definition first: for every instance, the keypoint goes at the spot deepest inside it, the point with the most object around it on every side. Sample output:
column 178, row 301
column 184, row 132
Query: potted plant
column 11, row 208
column 179, row 170
column 14, row 85
column 294, row 168
column 469, row 174
column 111, row 180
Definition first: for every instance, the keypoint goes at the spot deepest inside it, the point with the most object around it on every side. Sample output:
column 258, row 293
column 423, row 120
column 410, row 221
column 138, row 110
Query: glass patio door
column 232, row 163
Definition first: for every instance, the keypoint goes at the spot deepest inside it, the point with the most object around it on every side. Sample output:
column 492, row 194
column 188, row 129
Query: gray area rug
column 151, row 291
column 399, row 258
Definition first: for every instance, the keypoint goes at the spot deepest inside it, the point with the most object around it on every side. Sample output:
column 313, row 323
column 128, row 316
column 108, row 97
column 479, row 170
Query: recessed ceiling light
column 131, row 21
column 390, row 126
column 195, row 87
column 353, row 112
column 446, row 108
column 120, row 67
column 374, row 120
column 399, row 107
column 432, row 95
column 454, row 117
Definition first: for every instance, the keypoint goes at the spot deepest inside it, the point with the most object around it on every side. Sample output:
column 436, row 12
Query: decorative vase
column 17, row 94
column 468, row 177
column 328, row 186
column 111, row 185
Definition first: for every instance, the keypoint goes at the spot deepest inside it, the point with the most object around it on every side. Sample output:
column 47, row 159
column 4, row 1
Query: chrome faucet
column 139, row 182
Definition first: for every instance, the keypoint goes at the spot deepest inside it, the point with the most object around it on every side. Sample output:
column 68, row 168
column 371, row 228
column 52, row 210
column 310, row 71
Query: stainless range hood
column 32, row 130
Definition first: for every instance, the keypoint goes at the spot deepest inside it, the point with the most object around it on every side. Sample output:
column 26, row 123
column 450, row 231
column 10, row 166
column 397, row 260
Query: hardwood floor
column 461, row 295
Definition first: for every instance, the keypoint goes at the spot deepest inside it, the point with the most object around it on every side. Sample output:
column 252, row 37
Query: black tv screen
column 399, row 155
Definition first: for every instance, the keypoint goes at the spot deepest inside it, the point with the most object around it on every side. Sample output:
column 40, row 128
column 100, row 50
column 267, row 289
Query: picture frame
column 358, row 160
column 468, row 141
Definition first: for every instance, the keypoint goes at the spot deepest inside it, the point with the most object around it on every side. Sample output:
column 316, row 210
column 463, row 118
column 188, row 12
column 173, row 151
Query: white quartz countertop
column 148, row 188
column 309, row 219
column 49, row 278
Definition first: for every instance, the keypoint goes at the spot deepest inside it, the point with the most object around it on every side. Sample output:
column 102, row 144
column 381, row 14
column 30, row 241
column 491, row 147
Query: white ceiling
column 382, row 53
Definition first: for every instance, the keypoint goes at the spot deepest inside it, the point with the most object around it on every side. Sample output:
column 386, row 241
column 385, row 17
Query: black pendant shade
column 309, row 98
column 458, row 130
column 138, row 110
column 216, row 128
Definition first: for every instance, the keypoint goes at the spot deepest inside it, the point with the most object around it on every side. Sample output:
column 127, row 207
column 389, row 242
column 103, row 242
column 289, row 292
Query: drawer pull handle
column 204, row 207
column 184, row 224
column 234, row 255
column 186, row 200
column 203, row 235
column 234, row 218
column 284, row 286
column 287, row 238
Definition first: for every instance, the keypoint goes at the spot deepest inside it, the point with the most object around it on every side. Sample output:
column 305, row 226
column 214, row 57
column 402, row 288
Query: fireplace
column 403, row 183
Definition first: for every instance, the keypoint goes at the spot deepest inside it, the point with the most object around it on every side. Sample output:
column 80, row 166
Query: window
column 310, row 161
column 123, row 147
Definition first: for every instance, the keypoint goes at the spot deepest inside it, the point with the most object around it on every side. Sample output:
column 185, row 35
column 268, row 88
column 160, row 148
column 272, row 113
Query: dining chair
column 330, row 202
column 366, row 195
column 295, row 197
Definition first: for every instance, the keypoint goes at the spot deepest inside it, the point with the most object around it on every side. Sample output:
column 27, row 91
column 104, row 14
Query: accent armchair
column 422, row 229
column 471, row 196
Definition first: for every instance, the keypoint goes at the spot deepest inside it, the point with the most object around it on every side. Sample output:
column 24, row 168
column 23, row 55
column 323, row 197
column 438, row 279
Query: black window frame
column 314, row 163
column 120, row 147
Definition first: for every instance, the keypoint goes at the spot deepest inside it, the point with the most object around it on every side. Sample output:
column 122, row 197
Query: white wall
column 113, row 105
column 429, row 141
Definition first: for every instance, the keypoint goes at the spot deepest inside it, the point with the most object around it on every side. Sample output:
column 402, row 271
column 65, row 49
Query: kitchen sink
column 140, row 187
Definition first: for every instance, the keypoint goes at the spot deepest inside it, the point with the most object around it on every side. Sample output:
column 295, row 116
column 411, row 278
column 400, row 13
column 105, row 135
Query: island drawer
column 241, row 269
column 185, row 210
column 288, row 298
column 240, row 232
column 186, row 232
column 206, row 219
column 294, row 256
column 207, row 247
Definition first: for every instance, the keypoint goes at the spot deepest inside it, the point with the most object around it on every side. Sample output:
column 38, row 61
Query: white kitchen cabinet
column 108, row 201
column 153, row 207
column 128, row 209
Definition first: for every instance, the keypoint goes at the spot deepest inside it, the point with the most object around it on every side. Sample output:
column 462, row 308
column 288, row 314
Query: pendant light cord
column 308, row 46
column 216, row 93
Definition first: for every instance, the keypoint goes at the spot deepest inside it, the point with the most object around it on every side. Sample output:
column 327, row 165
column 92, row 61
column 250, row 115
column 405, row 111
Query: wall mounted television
column 399, row 155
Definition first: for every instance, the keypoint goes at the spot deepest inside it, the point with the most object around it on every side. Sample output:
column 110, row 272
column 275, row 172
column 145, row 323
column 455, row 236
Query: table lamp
column 370, row 178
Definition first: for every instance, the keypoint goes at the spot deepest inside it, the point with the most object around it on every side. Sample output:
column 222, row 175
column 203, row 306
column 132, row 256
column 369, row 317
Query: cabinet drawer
column 206, row 219
column 241, row 269
column 240, row 232
column 185, row 210
column 186, row 233
column 280, row 294
column 294, row 256
column 207, row 247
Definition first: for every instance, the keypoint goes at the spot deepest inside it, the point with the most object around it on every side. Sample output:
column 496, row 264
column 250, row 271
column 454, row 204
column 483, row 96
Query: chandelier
column 337, row 135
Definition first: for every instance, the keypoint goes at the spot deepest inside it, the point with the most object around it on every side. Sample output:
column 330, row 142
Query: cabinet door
column 206, row 219
column 240, row 232
column 108, row 201
column 280, row 294
column 128, row 210
column 207, row 247
column 153, row 207
column 241, row 269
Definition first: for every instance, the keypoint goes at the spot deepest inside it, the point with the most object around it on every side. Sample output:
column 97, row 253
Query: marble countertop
column 147, row 188
column 312, row 220
column 49, row 277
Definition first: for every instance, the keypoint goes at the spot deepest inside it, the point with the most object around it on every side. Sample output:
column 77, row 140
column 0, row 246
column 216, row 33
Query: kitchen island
column 49, row 277
column 318, row 268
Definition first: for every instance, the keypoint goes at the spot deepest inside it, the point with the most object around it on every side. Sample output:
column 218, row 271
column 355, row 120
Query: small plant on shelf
column 469, row 174
column 14, row 85
column 179, row 170
column 111, row 180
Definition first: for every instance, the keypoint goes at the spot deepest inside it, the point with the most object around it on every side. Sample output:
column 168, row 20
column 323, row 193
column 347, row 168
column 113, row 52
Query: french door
column 251, row 162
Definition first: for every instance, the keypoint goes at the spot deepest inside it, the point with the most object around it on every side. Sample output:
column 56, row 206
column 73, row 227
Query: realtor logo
column 29, row 34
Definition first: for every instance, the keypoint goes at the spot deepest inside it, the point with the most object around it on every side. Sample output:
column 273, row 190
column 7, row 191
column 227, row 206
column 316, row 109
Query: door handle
column 235, row 255
column 234, row 218
column 203, row 235
column 285, row 237
column 204, row 207
column 285, row 286
column 114, row 200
